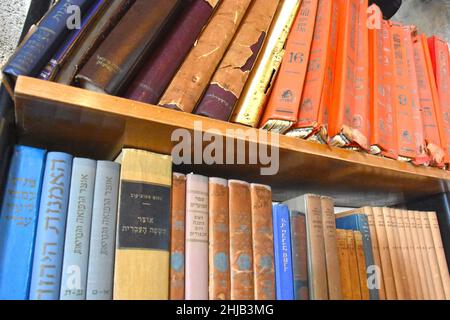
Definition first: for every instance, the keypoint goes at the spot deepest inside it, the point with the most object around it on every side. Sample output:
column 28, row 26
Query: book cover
column 102, row 242
column 263, row 249
column 299, row 245
column 281, row 111
column 197, row 220
column 353, row 266
column 284, row 280
column 51, row 228
column 360, row 256
column 177, row 237
column 241, row 248
column 344, row 264
column 7, row 136
column 189, row 83
column 219, row 240
column 18, row 220
column 142, row 257
column 78, row 227
column 164, row 62
column 225, row 87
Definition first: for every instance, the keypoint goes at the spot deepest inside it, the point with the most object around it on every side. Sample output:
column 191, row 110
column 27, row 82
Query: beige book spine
column 344, row 265
column 353, row 263
column 361, row 265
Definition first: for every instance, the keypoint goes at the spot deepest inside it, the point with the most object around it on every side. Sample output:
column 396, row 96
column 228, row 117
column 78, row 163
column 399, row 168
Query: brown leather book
column 353, row 263
column 263, row 266
column 361, row 265
column 385, row 255
column 344, row 264
column 299, row 255
column 241, row 252
column 178, row 217
column 219, row 240
column 127, row 46
column 331, row 254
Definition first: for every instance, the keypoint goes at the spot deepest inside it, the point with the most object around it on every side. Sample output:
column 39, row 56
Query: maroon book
column 150, row 84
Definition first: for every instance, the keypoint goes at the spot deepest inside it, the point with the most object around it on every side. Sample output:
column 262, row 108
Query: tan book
column 376, row 251
column 331, row 254
column 353, row 263
column 385, row 255
column 432, row 257
column 439, row 246
column 143, row 232
column 344, row 264
column 361, row 265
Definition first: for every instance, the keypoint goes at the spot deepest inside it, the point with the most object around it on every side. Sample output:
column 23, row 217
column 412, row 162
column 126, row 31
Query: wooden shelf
column 95, row 125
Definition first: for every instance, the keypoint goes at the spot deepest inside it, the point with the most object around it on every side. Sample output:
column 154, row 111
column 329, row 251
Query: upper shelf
column 90, row 124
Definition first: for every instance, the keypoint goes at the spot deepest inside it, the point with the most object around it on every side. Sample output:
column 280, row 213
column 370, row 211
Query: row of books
column 75, row 229
column 328, row 71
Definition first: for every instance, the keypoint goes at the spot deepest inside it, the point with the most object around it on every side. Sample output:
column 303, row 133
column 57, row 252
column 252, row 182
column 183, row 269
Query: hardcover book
column 344, row 264
column 299, row 255
column 360, row 256
column 353, row 266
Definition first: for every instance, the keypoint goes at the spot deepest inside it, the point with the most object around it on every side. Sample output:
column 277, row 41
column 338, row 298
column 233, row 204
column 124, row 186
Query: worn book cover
column 361, row 265
column 344, row 264
column 353, row 265
column 299, row 255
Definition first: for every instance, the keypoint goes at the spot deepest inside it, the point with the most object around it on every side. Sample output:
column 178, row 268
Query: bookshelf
column 90, row 124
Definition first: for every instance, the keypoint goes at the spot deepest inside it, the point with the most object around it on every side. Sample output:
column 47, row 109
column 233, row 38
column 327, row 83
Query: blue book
column 18, row 219
column 46, row 276
column 79, row 218
column 103, row 232
column 356, row 221
column 34, row 53
column 284, row 278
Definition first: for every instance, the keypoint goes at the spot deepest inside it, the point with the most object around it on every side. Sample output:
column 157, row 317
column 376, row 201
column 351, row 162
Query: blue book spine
column 359, row 222
column 284, row 278
column 103, row 232
column 79, row 218
column 46, row 276
column 18, row 220
column 38, row 49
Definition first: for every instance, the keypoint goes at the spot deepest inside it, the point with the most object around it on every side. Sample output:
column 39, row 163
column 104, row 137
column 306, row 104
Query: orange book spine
column 344, row 265
column 353, row 262
column 283, row 105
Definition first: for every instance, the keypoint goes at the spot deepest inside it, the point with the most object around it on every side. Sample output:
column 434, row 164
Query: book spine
column 219, row 240
column 197, row 203
column 177, row 236
column 344, row 265
column 299, row 255
column 241, row 251
column 149, row 85
column 142, row 258
column 282, row 253
column 360, row 256
column 192, row 79
column 103, row 232
column 226, row 86
column 281, row 111
column 353, row 263
column 51, row 228
column 262, row 233
column 18, row 219
column 127, row 46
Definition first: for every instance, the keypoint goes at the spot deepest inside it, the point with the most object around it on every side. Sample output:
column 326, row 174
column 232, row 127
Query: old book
column 440, row 254
column 241, row 252
column 196, row 256
column 282, row 107
column 90, row 40
column 251, row 105
column 344, row 264
column 229, row 80
column 177, row 237
column 262, row 234
column 361, row 265
column 385, row 254
column 194, row 75
column 143, row 226
column 369, row 212
column 164, row 62
column 123, row 51
column 311, row 206
column 353, row 266
column 332, row 259
column 299, row 255
column 219, row 240
column 316, row 98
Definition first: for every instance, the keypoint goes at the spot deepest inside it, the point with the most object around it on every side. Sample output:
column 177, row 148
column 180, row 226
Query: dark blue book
column 284, row 278
column 6, row 136
column 34, row 53
column 18, row 219
column 356, row 220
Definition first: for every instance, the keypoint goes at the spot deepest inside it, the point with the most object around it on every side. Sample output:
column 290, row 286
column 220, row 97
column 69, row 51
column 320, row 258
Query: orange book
column 312, row 115
column 344, row 264
column 383, row 118
column 402, row 96
column 427, row 104
column 349, row 113
column 361, row 265
column 353, row 264
column 283, row 105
